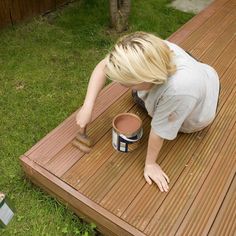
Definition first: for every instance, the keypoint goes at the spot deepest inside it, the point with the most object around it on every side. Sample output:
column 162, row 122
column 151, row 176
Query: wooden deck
column 108, row 188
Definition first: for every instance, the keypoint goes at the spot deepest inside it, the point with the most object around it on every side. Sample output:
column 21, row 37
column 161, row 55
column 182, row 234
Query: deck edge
column 40, row 142
column 77, row 202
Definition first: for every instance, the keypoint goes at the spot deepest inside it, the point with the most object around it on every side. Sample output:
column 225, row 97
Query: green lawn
column 44, row 70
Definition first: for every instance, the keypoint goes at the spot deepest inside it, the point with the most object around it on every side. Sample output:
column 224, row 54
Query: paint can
column 126, row 132
column 6, row 211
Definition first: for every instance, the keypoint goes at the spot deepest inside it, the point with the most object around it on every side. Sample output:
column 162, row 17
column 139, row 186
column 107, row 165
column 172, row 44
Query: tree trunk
column 119, row 14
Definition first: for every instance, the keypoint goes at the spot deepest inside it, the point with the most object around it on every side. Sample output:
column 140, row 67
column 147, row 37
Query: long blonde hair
column 140, row 57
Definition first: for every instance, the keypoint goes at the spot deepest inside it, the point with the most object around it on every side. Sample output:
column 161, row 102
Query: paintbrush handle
column 83, row 137
column 82, row 131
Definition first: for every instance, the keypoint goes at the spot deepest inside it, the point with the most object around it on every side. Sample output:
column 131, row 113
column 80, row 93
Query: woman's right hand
column 83, row 117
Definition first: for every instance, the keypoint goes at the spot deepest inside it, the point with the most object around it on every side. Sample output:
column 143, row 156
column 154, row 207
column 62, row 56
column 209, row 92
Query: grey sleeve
column 170, row 113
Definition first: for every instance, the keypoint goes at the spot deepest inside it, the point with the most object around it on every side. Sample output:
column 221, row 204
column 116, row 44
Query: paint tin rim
column 125, row 133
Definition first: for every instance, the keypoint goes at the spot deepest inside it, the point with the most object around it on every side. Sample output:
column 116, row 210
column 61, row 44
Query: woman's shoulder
column 174, row 47
column 181, row 83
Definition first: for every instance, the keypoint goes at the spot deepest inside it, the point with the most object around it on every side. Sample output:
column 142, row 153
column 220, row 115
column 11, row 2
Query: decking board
column 220, row 119
column 93, row 162
column 65, row 132
column 223, row 63
column 62, row 162
column 210, row 36
column 210, row 24
column 108, row 188
column 82, row 206
column 225, row 223
column 172, row 211
column 130, row 184
column 196, row 22
column 106, row 177
column 219, row 45
column 204, row 209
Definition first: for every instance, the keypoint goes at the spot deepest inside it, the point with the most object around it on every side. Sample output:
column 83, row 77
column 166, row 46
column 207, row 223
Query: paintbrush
column 82, row 141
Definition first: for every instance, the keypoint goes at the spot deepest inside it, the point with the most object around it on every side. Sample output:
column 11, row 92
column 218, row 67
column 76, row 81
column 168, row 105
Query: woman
column 178, row 92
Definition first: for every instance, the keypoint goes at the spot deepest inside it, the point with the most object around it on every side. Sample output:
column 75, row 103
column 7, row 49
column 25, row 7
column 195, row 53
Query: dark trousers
column 138, row 100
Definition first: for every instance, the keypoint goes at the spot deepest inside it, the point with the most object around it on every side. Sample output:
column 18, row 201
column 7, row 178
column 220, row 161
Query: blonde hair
column 140, row 57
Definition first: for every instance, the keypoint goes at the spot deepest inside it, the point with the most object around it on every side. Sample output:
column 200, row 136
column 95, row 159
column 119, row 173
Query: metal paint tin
column 127, row 132
column 6, row 212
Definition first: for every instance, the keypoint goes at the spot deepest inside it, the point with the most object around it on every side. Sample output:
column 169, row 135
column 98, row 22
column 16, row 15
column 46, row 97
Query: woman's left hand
column 155, row 173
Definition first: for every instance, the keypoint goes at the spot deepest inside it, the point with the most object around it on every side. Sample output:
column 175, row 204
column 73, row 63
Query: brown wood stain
column 127, row 123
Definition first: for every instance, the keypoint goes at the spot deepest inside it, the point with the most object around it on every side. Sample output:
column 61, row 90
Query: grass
column 45, row 66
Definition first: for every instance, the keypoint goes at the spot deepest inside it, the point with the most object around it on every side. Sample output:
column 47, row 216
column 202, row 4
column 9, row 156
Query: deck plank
column 215, row 50
column 196, row 22
column 210, row 36
column 144, row 210
column 130, row 184
column 173, row 211
column 82, row 206
column 199, row 219
column 69, row 155
column 86, row 167
column 146, row 213
column 106, row 177
column 225, row 223
column 51, row 144
column 226, row 59
column 224, row 14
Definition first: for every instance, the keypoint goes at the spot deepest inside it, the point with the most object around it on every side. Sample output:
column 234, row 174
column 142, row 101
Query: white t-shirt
column 187, row 102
